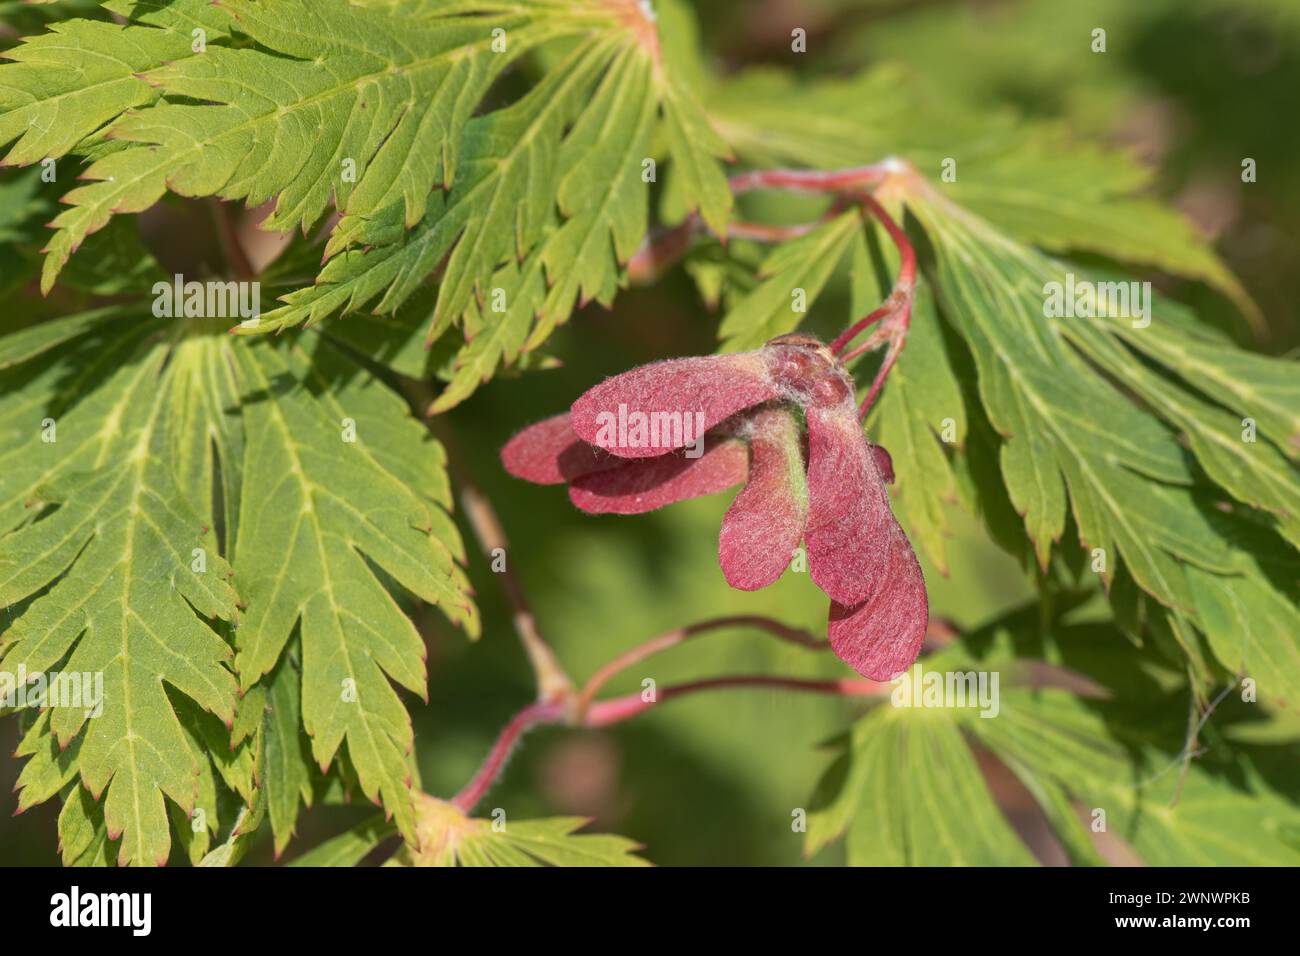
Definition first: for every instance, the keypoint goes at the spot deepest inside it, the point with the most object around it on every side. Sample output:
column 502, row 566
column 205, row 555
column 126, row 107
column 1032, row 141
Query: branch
column 665, row 247
column 895, row 315
column 553, row 683
column 681, row 634
column 900, row 298
column 604, row 713
column 619, row 709
column 815, row 181
column 552, row 712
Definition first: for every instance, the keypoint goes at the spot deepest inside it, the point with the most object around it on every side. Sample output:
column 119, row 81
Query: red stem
column 900, row 299
column 606, row 712
column 664, row 247
column 894, row 315
column 678, row 635
column 545, row 712
column 812, row 180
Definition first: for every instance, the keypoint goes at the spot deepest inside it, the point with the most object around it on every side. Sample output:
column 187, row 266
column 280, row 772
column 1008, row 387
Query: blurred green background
column 1193, row 88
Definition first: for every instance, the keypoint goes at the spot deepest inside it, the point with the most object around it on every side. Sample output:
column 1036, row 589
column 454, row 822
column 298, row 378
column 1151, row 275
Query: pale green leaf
column 114, row 566
column 336, row 480
column 794, row 274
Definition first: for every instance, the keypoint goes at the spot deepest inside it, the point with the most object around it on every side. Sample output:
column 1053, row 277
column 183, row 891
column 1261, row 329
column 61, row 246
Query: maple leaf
column 1082, row 746
column 1071, row 438
column 125, row 570
column 165, row 425
column 447, row 837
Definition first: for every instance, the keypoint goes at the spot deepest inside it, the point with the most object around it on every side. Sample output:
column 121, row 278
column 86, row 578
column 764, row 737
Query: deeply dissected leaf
column 1032, row 181
column 908, row 792
column 329, row 103
column 552, row 181
column 450, row 838
column 68, row 84
column 1093, row 765
column 120, row 546
column 336, row 478
column 1071, row 437
column 372, row 106
column 125, row 436
column 1053, row 733
column 794, row 274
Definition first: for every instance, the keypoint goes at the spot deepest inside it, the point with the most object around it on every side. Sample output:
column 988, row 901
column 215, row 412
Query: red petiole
column 582, row 710
column 894, row 315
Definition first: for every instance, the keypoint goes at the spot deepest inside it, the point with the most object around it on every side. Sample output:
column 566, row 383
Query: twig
column 553, row 683
column 678, row 636
column 813, row 180
column 606, row 712
column 895, row 315
column 619, row 709
column 531, row 716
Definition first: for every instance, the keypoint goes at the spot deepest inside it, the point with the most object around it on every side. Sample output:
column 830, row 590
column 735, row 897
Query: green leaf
column 111, row 569
column 921, row 405
column 125, row 436
column 794, row 274
column 449, row 838
column 548, row 205
column 273, row 123
column 67, row 84
column 1069, row 434
column 1121, row 750
column 350, row 847
column 492, row 211
column 913, row 796
column 338, row 479
column 1065, row 427
column 1214, row 822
